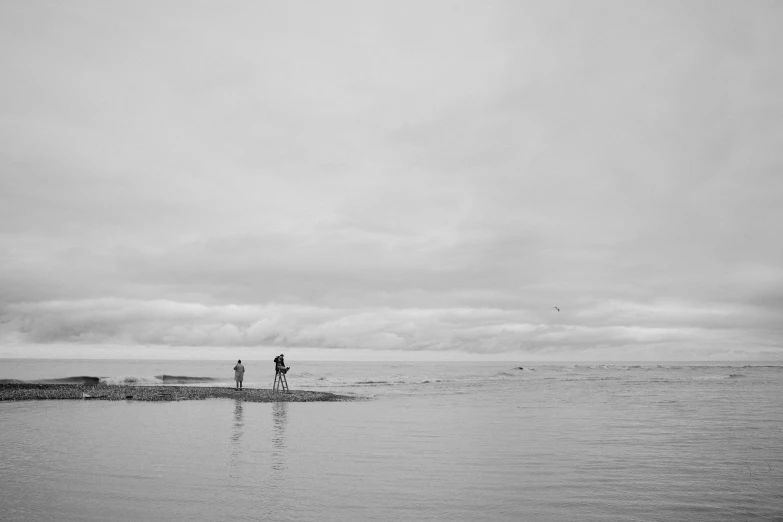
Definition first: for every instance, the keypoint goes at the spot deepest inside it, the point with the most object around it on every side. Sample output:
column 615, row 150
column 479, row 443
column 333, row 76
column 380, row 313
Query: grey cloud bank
column 393, row 177
column 635, row 332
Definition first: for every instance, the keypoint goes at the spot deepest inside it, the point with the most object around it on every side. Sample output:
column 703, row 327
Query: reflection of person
column 280, row 366
column 239, row 374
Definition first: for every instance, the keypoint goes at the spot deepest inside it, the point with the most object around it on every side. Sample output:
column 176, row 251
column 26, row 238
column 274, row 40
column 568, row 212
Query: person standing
column 239, row 373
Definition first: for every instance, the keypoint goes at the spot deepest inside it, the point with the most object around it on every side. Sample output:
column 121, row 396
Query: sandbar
column 24, row 391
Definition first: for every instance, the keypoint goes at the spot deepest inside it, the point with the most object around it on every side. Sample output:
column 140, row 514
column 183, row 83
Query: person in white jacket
column 239, row 374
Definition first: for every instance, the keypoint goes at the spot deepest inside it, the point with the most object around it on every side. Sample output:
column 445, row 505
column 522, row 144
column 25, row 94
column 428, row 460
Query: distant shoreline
column 22, row 391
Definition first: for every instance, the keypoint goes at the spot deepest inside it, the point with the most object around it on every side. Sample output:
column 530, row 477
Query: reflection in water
column 279, row 421
column 239, row 421
column 276, row 486
column 237, row 432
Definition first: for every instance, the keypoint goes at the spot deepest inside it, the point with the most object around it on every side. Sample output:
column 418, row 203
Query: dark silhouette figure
column 556, row 308
column 280, row 366
column 239, row 374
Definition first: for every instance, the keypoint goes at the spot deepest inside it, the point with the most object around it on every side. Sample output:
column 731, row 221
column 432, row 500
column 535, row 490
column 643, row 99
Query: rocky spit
column 35, row 391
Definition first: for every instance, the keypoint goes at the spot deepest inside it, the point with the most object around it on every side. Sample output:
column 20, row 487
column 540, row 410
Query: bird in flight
column 556, row 308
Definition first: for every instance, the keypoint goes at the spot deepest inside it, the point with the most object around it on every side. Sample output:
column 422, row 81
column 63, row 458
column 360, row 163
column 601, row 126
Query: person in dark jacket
column 280, row 366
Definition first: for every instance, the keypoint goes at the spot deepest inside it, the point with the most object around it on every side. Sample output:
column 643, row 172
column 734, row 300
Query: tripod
column 281, row 383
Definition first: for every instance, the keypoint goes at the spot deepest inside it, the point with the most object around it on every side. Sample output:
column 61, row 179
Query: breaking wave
column 157, row 379
column 132, row 380
column 81, row 379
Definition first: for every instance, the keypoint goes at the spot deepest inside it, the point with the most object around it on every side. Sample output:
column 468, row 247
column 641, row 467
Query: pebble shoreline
column 34, row 391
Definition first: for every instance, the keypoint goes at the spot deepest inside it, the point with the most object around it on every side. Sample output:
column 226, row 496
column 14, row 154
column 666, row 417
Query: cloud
column 404, row 177
column 469, row 330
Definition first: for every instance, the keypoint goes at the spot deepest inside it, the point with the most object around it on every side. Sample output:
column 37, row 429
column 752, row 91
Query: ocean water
column 433, row 441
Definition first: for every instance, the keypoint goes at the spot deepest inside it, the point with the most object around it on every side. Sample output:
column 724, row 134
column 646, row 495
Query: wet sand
column 34, row 391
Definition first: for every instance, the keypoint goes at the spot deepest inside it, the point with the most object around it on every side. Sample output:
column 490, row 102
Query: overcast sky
column 379, row 180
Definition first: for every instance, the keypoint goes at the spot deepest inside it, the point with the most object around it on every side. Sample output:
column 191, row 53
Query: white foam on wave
column 134, row 380
column 710, row 377
column 324, row 381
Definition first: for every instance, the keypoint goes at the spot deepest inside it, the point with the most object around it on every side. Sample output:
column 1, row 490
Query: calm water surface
column 434, row 442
